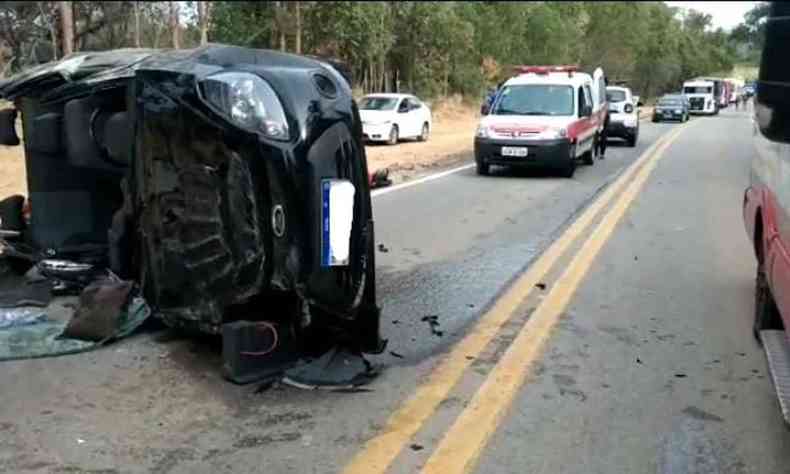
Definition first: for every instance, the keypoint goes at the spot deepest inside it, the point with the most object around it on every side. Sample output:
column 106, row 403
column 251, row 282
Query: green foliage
column 429, row 48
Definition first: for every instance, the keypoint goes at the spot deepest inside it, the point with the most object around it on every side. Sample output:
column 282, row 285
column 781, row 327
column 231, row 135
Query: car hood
column 376, row 116
column 528, row 123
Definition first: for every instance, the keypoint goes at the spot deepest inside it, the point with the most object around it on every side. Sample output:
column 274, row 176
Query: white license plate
column 519, row 151
column 337, row 212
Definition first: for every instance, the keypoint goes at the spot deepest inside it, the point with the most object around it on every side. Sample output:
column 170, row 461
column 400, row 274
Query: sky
column 725, row 14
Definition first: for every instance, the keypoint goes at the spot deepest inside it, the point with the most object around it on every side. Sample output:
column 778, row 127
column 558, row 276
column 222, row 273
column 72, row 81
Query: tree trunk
column 67, row 26
column 137, row 43
column 174, row 28
column 204, row 18
column 53, row 30
column 298, row 14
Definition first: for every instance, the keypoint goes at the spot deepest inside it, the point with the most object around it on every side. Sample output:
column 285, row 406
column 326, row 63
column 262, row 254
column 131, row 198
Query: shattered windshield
column 535, row 100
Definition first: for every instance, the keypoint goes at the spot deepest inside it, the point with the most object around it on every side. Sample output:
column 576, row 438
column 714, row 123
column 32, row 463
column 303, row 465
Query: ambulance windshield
column 534, row 99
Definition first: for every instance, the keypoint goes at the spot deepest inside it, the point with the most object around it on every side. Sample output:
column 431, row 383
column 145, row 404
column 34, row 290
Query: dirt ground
column 451, row 141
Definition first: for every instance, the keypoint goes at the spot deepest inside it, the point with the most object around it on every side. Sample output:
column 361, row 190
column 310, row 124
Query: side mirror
column 484, row 109
column 8, row 134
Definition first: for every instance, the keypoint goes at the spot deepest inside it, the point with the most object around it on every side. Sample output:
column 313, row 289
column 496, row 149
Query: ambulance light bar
column 544, row 70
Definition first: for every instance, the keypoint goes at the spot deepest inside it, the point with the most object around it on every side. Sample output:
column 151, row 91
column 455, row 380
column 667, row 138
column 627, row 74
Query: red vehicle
column 545, row 116
column 766, row 204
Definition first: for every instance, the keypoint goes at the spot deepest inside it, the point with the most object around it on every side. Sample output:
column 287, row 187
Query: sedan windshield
column 535, row 100
column 669, row 102
column 378, row 103
column 615, row 95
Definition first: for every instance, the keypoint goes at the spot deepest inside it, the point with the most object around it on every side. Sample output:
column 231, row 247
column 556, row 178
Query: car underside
column 208, row 177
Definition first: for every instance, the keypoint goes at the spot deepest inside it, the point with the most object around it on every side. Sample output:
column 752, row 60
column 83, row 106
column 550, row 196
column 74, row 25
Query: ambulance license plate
column 517, row 151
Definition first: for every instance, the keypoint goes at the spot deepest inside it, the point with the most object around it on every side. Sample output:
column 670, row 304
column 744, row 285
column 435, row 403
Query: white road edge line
column 408, row 184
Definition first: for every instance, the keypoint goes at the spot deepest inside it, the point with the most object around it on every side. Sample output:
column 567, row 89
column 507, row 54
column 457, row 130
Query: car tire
column 425, row 133
column 655, row 120
column 483, row 169
column 393, row 140
column 633, row 138
column 588, row 158
column 570, row 168
column 766, row 314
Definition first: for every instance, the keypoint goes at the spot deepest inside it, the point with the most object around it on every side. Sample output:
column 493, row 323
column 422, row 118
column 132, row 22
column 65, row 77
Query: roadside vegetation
column 433, row 49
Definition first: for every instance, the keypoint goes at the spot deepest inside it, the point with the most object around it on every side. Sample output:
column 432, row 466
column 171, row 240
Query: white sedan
column 390, row 117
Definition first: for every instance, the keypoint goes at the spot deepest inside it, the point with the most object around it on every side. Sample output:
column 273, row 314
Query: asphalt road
column 647, row 365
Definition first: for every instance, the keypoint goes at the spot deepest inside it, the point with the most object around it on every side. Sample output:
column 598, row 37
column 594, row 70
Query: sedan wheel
column 393, row 135
column 425, row 133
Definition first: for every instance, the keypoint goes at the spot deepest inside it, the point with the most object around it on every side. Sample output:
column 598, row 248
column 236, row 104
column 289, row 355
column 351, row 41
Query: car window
column 615, row 95
column 534, row 99
column 404, row 106
column 587, row 96
column 378, row 103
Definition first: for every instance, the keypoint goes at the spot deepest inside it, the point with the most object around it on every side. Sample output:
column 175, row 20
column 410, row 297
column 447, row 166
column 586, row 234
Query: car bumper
column 375, row 133
column 540, row 153
column 668, row 115
column 622, row 127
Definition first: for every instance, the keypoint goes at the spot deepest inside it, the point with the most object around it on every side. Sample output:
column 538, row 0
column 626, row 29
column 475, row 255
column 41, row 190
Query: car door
column 423, row 115
column 402, row 118
column 588, row 124
column 415, row 116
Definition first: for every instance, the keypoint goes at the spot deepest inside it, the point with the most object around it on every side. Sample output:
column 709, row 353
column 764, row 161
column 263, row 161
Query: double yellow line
column 460, row 447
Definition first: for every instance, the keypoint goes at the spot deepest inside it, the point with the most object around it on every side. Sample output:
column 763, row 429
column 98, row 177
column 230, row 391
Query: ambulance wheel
column 570, row 167
column 588, row 158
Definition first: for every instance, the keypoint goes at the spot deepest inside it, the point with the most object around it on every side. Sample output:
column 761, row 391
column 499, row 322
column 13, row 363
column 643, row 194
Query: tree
column 67, row 27
column 204, row 20
column 174, row 25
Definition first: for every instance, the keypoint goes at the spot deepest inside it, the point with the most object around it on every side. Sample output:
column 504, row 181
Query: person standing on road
column 602, row 139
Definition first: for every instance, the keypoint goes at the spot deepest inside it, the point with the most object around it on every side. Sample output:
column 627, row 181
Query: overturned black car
column 226, row 181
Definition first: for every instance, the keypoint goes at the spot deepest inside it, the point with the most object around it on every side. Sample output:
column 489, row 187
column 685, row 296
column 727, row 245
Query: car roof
column 389, row 95
column 552, row 78
column 618, row 88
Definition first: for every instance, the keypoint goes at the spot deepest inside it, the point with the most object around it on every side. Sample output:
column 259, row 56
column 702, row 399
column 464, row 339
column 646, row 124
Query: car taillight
column 628, row 108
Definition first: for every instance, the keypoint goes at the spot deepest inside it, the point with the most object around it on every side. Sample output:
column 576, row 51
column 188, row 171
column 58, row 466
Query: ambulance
column 545, row 116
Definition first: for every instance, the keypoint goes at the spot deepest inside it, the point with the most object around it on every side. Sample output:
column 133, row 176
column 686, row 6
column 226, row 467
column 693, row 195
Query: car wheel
column 766, row 314
column 482, row 168
column 655, row 120
column 633, row 138
column 393, row 135
column 588, row 158
column 570, row 168
column 425, row 132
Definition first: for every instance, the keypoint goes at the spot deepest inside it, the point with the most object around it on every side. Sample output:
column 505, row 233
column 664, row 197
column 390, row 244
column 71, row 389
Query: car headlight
column 248, row 101
column 482, row 132
column 562, row 133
